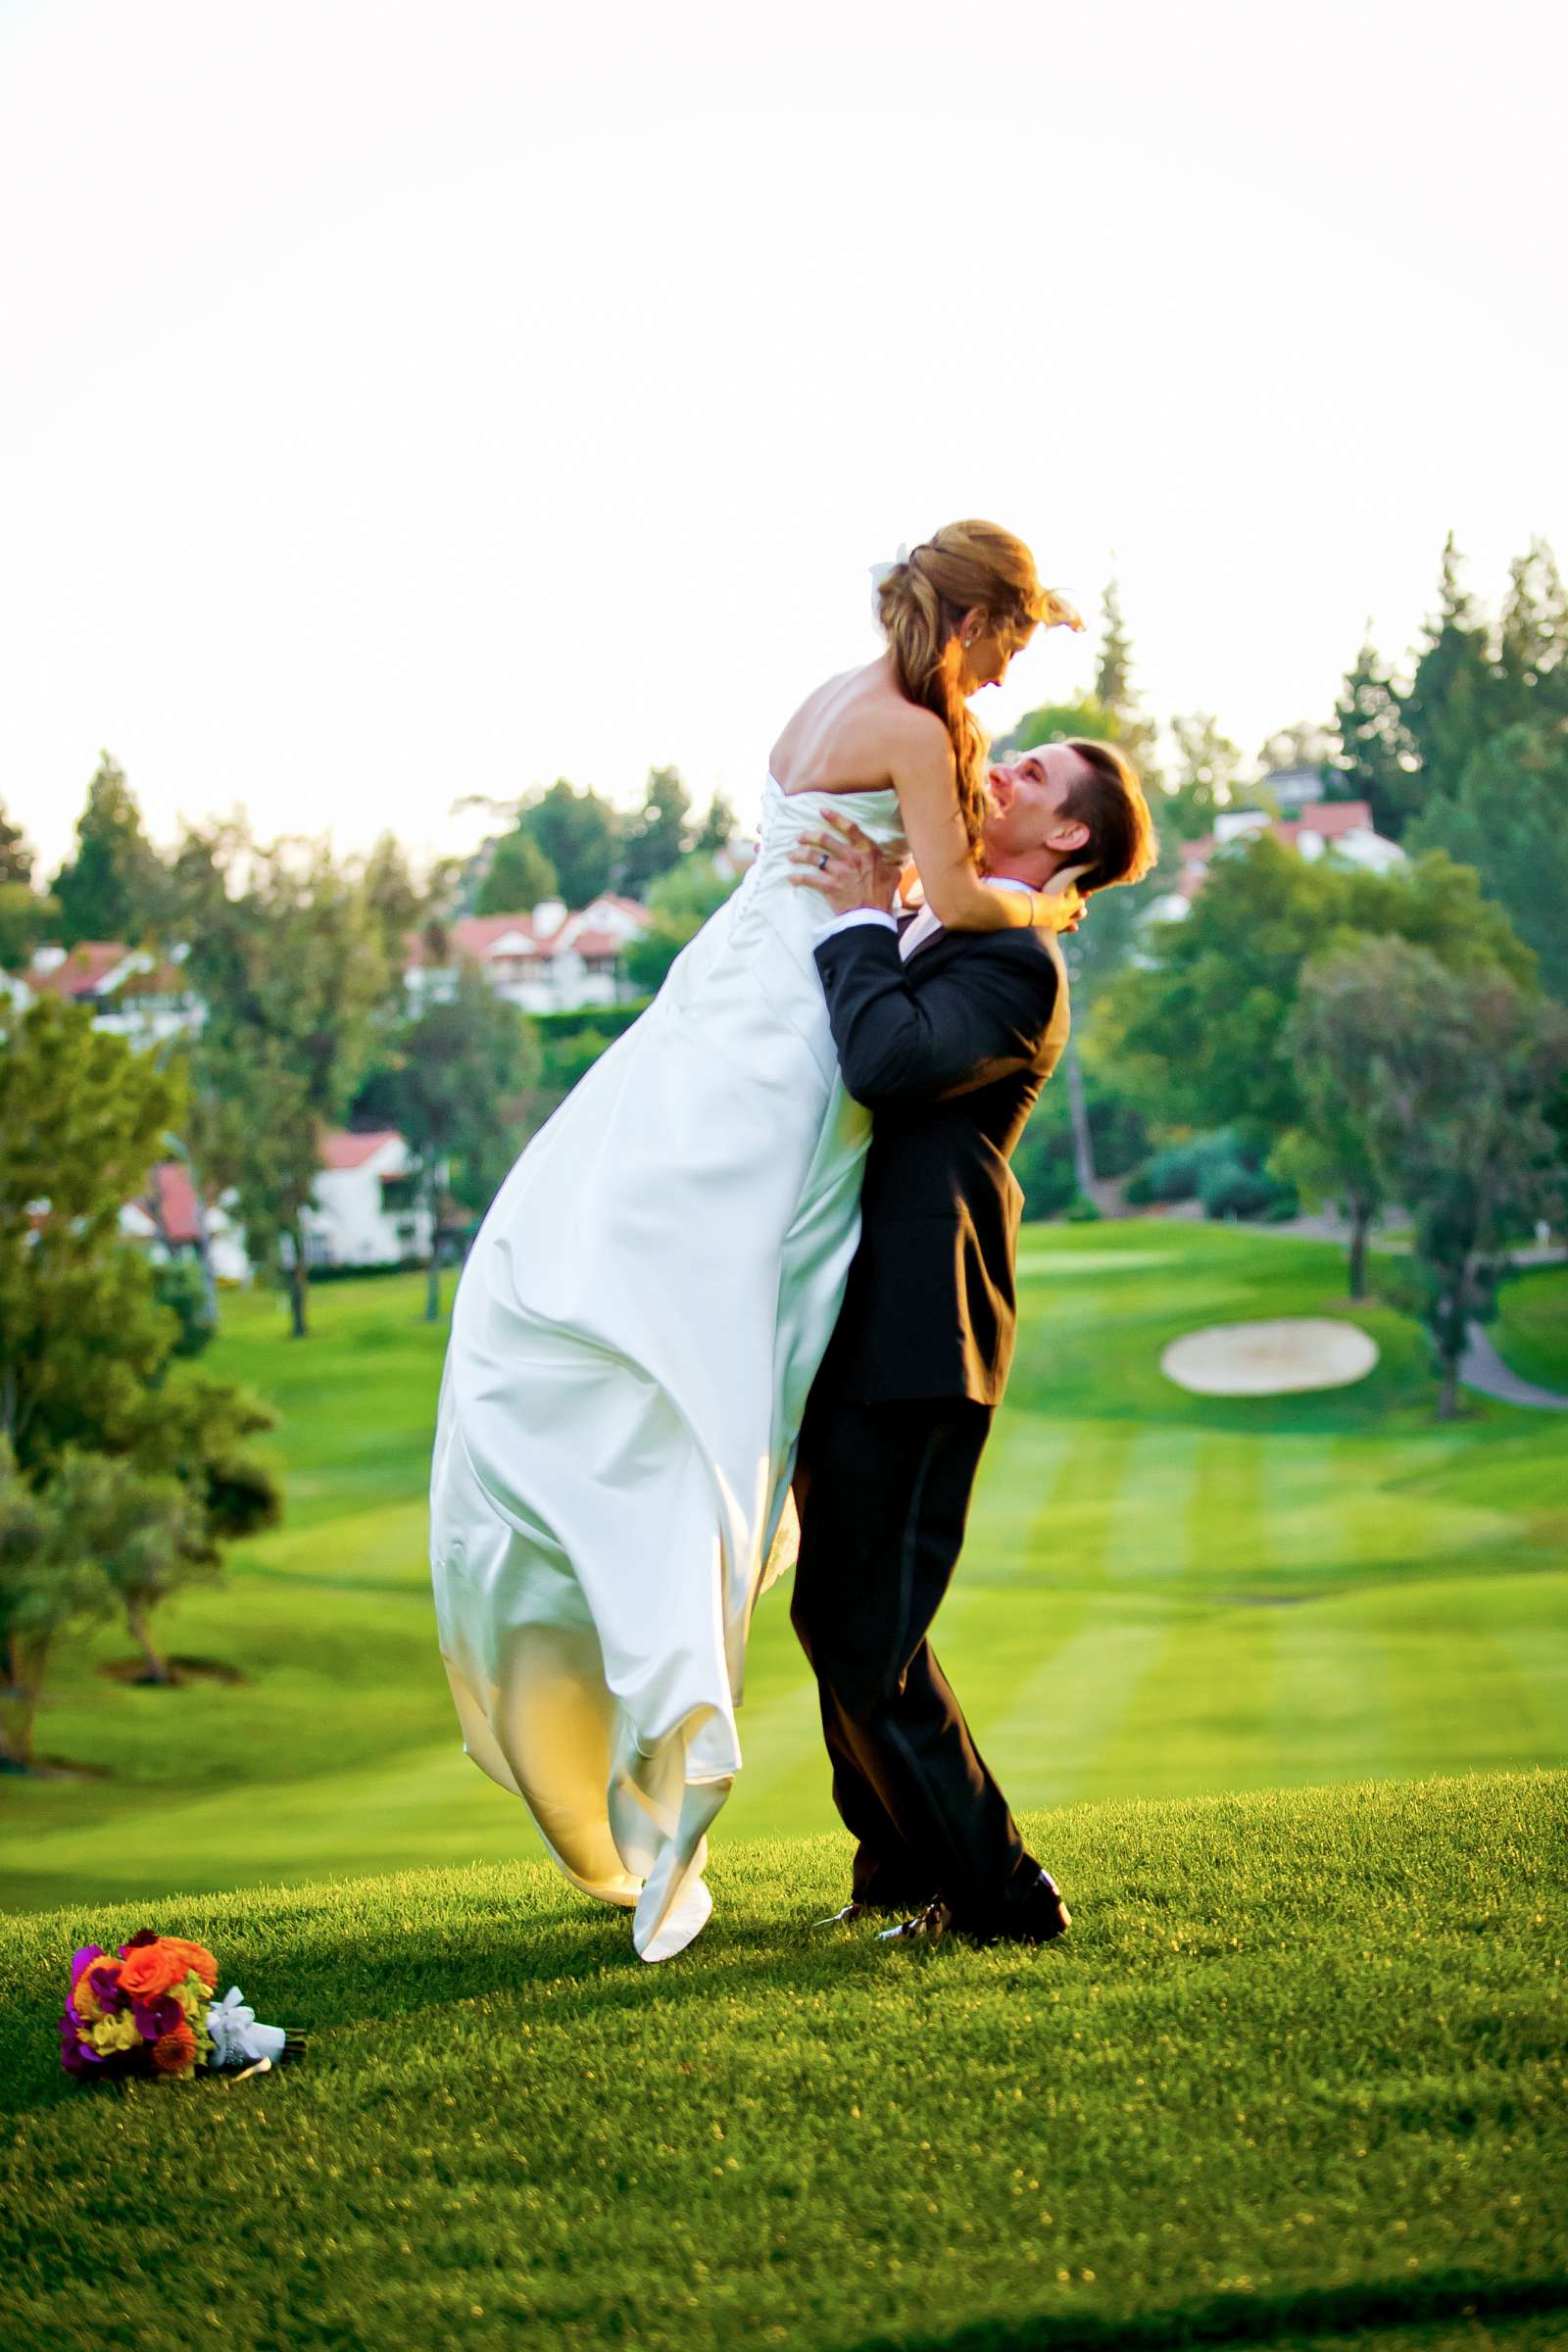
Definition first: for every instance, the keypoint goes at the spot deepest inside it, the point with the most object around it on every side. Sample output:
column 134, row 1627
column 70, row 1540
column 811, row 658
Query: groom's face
column 1026, row 797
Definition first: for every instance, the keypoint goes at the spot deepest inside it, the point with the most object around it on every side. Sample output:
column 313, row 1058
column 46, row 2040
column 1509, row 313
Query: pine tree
column 1451, row 706
column 1532, row 644
column 518, row 876
column 113, row 887
column 659, row 838
column 1376, row 760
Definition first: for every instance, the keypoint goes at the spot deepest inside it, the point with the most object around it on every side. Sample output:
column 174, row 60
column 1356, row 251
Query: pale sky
column 399, row 403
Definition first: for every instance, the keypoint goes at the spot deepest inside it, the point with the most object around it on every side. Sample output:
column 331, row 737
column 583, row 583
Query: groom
column 947, row 1037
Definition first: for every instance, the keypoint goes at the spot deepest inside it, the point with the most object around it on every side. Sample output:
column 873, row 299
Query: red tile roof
column 176, row 1197
column 82, row 972
column 340, row 1150
column 477, row 936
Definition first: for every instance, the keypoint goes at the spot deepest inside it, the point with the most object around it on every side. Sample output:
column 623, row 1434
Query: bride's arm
column 925, row 777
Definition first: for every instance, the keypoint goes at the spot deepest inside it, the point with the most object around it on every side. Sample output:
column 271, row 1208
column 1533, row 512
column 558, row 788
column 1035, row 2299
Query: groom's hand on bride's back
column 848, row 867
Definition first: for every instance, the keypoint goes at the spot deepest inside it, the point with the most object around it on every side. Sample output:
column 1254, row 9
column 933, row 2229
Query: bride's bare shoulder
column 850, row 731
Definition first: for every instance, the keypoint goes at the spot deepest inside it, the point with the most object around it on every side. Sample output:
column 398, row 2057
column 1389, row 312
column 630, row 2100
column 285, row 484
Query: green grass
column 1160, row 1596
column 1297, row 2074
column 1531, row 1332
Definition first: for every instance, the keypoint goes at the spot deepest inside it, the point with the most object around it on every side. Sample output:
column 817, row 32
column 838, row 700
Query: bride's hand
column 847, row 866
column 1060, row 907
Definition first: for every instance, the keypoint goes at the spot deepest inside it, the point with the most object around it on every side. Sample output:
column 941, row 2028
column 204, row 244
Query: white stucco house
column 1342, row 827
column 165, row 1221
column 547, row 960
column 133, row 992
column 362, row 1214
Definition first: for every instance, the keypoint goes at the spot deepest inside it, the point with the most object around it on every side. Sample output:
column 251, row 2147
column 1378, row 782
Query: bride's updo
column 921, row 603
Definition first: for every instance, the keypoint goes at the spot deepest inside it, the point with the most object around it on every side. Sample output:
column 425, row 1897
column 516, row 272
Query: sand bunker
column 1269, row 1360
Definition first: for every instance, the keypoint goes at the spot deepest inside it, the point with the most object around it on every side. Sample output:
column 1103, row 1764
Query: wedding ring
column 822, row 862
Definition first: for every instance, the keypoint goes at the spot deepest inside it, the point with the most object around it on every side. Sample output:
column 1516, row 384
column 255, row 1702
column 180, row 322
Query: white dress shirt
column 925, row 925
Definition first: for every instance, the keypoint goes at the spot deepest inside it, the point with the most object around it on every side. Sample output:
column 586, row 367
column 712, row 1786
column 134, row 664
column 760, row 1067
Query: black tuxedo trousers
column 883, row 1493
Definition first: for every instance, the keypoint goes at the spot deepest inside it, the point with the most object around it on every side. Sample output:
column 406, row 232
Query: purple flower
column 156, row 2016
column 108, row 1992
column 80, row 1959
column 73, row 2057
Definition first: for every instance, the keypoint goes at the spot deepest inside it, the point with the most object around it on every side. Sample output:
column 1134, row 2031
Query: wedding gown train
column 632, row 1341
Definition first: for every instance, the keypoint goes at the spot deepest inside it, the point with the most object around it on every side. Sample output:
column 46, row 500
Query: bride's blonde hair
column 920, row 604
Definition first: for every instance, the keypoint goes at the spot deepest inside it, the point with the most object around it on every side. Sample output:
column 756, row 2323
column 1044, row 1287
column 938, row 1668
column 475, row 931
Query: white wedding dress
column 632, row 1342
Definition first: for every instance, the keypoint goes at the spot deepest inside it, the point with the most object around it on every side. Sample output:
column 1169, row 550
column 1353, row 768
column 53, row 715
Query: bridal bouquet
column 148, row 2008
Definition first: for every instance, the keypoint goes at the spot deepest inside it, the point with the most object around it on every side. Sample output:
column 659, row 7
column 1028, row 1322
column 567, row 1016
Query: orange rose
column 150, row 1969
column 174, row 2053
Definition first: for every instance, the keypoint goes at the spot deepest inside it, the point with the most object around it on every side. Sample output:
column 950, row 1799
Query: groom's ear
column 1071, row 834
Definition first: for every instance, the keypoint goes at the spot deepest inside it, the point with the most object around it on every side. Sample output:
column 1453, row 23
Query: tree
column 1332, row 1149
column 144, row 1533
column 680, row 902
column 452, row 1086
column 26, row 920
column 580, row 835
column 81, row 1119
column 1207, row 764
column 720, row 827
column 657, row 838
column 1306, row 745
column 16, row 858
column 1453, row 1070
column 293, row 971
column 113, row 887
column 518, row 876
column 1058, row 722
column 1508, row 819
column 1200, row 1031
column 1115, row 693
column 1376, row 760
column 1533, row 643
column 48, row 1580
column 1450, row 706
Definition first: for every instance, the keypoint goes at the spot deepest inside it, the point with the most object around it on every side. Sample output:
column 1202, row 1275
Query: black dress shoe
column 1038, row 1918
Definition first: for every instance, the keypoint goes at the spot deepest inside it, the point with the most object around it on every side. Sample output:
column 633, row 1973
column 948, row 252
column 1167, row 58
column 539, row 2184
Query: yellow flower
column 115, row 2033
column 193, row 1997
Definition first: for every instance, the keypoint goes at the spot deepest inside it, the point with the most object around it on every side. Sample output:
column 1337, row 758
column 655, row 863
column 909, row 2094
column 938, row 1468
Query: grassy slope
column 1297, row 2072
column 1531, row 1332
column 1161, row 1596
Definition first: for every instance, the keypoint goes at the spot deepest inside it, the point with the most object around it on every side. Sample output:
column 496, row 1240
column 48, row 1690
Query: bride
column 648, row 1299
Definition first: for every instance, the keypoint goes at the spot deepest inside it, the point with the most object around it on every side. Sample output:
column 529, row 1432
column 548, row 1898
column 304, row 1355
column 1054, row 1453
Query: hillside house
column 1343, row 827
column 548, row 960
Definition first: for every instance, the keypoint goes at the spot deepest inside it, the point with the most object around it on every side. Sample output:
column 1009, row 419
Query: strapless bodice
column 785, row 815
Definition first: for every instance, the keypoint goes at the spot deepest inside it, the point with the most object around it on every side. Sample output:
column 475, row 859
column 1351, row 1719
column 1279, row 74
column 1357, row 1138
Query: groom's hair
column 1122, row 846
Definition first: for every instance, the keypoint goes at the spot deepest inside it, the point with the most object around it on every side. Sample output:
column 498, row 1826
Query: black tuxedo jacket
column 949, row 1050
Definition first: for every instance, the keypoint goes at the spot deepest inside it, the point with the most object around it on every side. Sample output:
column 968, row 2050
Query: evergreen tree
column 16, row 858
column 1509, row 819
column 658, row 836
column 1376, row 760
column 518, row 876
column 1115, row 694
column 113, row 889
column 580, row 835
column 1533, row 643
column 720, row 827
column 1450, row 706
